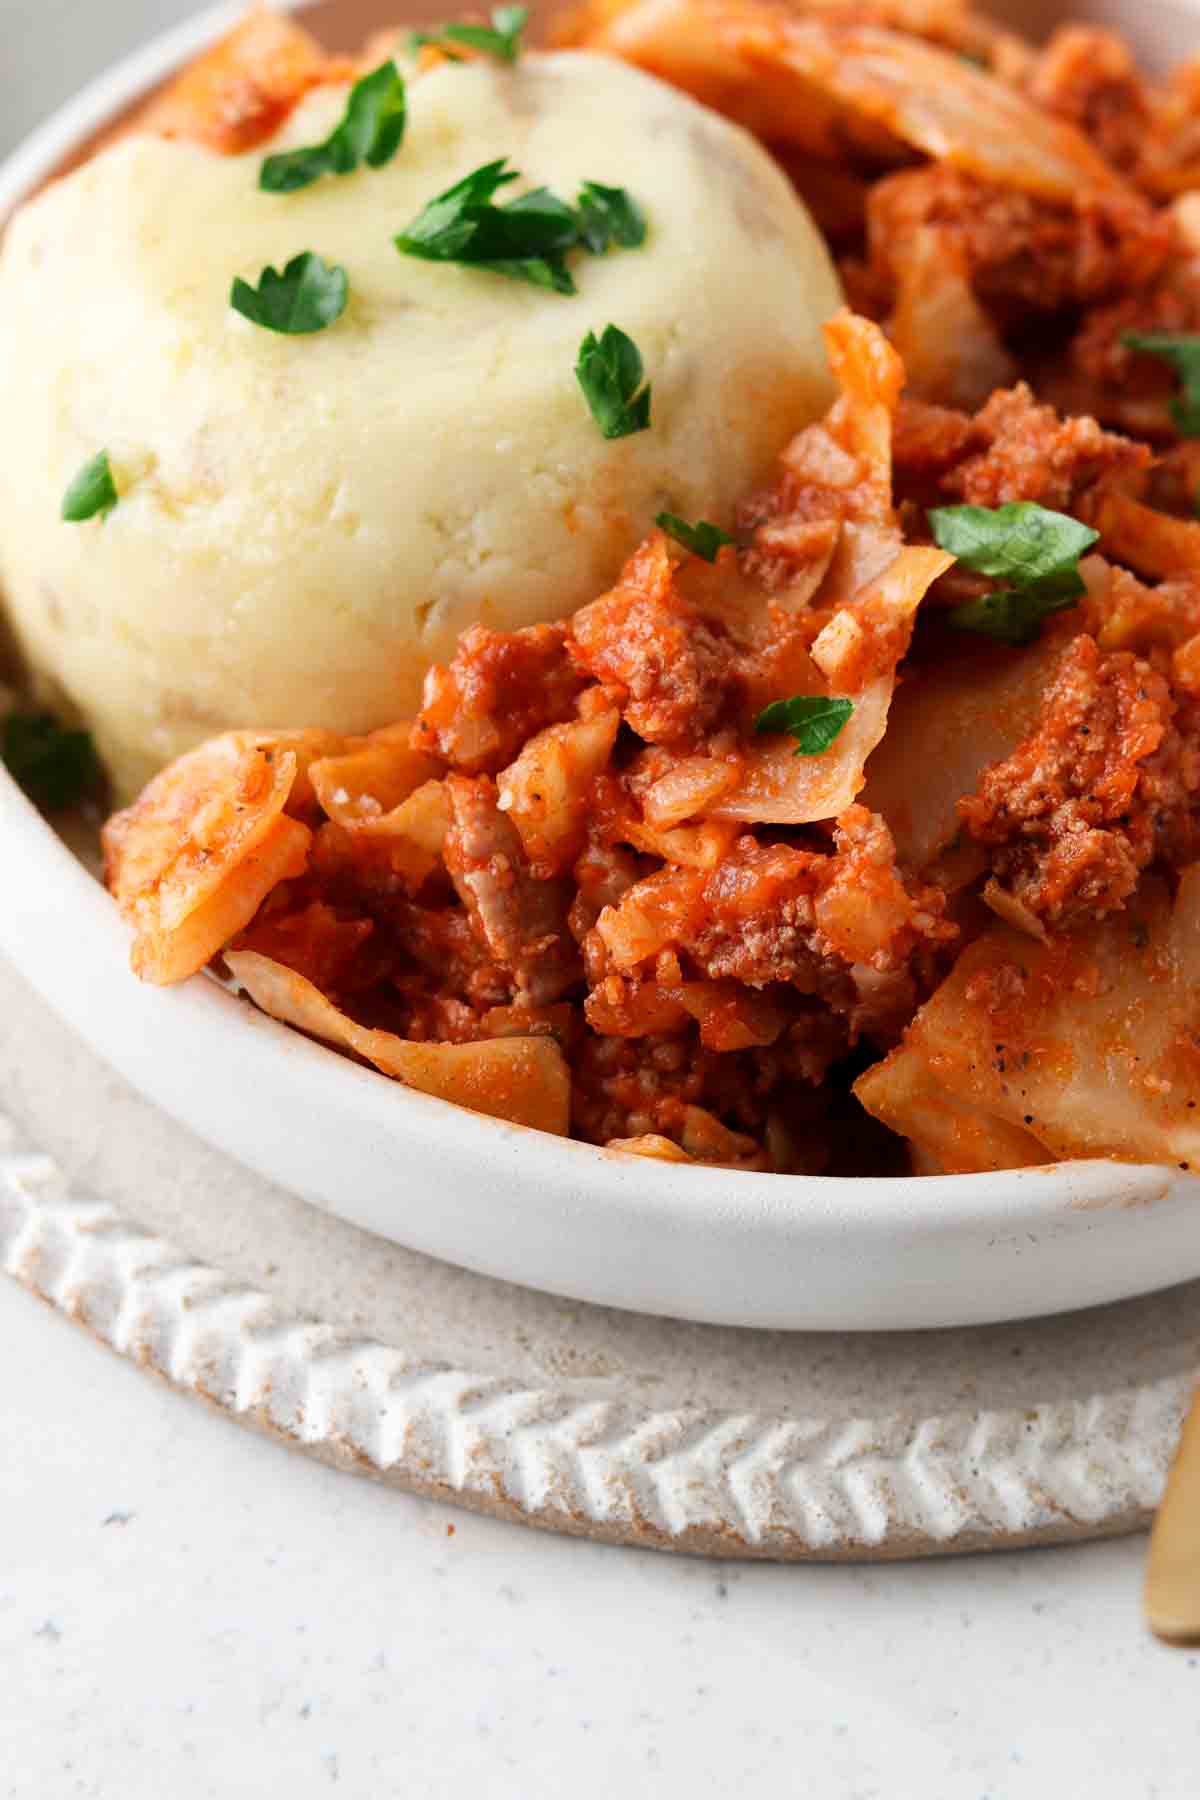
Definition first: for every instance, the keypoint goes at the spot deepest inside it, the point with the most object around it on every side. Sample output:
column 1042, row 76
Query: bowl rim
column 83, row 972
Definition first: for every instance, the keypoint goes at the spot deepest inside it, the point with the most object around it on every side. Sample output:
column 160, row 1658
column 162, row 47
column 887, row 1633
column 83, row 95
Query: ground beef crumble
column 1102, row 786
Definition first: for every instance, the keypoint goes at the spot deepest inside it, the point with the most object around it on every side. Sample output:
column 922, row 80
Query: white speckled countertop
column 188, row 1610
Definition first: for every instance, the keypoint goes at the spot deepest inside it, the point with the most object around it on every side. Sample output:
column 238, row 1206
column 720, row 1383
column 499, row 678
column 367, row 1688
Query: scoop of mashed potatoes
column 306, row 522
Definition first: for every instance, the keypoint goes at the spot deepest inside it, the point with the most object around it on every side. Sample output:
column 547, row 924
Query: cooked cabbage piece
column 1085, row 1045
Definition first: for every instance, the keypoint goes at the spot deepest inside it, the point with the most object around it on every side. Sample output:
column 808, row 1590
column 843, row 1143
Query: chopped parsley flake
column 702, row 538
column 306, row 297
column 56, row 768
column 501, row 39
column 371, row 131
column 526, row 239
column 609, row 371
column 609, row 215
column 93, row 492
column 814, row 720
column 1182, row 351
column 1034, row 549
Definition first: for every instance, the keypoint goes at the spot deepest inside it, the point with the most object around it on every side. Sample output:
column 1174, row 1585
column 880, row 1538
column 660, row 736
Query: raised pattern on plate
column 734, row 1483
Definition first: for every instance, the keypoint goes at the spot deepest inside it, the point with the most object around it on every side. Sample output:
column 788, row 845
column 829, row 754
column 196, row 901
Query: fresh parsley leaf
column 814, row 720
column 526, row 240
column 502, row 38
column 418, row 39
column 1010, row 615
column 307, row 296
column 1035, row 549
column 537, row 222
column 56, row 768
column 1022, row 542
column 449, row 223
column 539, row 271
column 609, row 215
column 609, row 371
column 702, row 539
column 1182, row 351
column 371, row 131
column 93, row 491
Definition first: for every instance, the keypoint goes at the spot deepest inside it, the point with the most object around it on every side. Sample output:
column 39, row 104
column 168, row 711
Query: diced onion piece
column 524, row 1080
column 730, row 1015
column 372, row 779
column 863, row 911
column 545, row 791
column 838, row 645
column 414, row 832
column 686, row 789
column 706, row 1139
column 687, row 846
column 620, row 1007
column 423, row 818
column 648, row 917
column 556, row 1020
column 308, row 746
column 651, row 1144
column 1013, row 911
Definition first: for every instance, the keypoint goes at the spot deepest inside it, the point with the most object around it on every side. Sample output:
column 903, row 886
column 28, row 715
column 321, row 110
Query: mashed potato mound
column 306, row 523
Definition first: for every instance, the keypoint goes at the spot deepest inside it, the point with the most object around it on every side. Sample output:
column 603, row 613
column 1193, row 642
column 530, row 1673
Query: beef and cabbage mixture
column 860, row 828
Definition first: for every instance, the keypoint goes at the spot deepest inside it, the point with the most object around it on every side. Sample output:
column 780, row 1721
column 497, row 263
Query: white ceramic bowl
column 756, row 1250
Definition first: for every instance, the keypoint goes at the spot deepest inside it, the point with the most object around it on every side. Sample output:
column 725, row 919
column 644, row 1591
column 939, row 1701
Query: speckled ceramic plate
column 694, row 1243
column 576, row 1418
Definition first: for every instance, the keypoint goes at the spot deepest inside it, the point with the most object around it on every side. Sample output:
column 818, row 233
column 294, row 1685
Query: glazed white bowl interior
column 738, row 1249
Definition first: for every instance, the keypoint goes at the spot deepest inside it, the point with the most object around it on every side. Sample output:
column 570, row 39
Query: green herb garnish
column 609, row 215
column 1037, row 550
column 1008, row 615
column 502, row 38
column 609, row 371
column 1182, row 351
column 371, row 131
column 528, row 238
column 307, row 296
column 55, row 767
column 702, row 539
column 525, row 240
column 814, row 720
column 92, row 493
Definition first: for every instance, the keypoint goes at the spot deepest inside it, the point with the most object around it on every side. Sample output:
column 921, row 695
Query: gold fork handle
column 1172, row 1594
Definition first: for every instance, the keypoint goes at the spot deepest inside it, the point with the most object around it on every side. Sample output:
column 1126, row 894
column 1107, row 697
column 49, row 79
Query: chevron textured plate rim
column 712, row 1481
